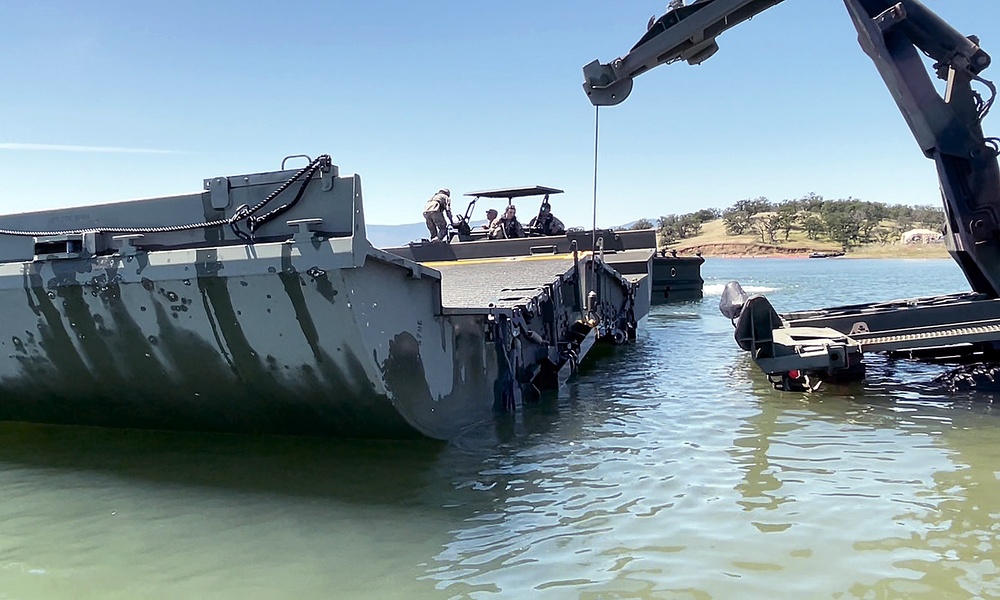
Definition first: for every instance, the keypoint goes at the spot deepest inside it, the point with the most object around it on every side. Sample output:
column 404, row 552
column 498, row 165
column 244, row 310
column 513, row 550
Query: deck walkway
column 502, row 282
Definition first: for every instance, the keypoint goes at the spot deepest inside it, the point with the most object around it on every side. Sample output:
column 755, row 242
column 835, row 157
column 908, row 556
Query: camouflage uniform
column 547, row 224
column 506, row 228
column 434, row 212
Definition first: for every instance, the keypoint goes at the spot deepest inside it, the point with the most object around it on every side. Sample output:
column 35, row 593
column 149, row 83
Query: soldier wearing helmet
column 437, row 207
column 546, row 223
column 507, row 226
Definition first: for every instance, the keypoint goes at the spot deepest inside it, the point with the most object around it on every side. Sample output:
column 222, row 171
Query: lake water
column 667, row 469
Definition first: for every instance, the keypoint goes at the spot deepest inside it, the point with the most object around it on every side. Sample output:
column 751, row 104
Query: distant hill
column 388, row 236
column 713, row 241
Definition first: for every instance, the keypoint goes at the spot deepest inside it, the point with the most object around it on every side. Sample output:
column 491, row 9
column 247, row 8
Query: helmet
column 444, row 191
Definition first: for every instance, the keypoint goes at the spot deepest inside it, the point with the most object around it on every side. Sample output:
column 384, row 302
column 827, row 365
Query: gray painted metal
column 499, row 281
column 824, row 343
column 608, row 241
column 684, row 33
column 627, row 252
column 303, row 329
column 677, row 279
column 670, row 279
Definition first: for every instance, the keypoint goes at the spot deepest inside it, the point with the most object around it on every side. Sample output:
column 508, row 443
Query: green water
column 668, row 469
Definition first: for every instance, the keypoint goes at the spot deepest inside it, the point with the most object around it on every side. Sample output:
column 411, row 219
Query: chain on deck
column 972, row 333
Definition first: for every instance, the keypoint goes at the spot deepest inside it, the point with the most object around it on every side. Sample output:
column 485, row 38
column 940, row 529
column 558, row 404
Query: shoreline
column 755, row 250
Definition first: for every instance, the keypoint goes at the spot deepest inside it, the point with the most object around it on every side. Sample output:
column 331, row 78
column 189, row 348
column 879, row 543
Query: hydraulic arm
column 893, row 34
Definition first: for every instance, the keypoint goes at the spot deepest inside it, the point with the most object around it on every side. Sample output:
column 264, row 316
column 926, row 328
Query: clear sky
column 105, row 101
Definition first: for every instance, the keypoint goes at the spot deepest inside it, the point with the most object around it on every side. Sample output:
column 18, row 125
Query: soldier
column 491, row 216
column 507, row 226
column 434, row 212
column 546, row 223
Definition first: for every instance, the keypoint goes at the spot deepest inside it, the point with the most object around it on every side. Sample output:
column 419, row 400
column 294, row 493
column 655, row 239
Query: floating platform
column 258, row 305
column 799, row 351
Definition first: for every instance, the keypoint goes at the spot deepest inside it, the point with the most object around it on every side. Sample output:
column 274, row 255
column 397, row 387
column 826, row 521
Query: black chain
column 242, row 213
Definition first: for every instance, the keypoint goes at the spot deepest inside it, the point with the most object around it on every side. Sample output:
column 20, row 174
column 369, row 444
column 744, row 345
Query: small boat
column 670, row 278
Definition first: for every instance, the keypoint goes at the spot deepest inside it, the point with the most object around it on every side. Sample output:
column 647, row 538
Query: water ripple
column 668, row 469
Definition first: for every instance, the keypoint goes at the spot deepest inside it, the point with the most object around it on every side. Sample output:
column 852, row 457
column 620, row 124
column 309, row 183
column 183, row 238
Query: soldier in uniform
column 491, row 216
column 437, row 207
column 546, row 223
column 507, row 226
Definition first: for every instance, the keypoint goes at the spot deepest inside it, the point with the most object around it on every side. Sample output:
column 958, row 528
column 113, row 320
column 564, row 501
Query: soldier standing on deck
column 437, row 207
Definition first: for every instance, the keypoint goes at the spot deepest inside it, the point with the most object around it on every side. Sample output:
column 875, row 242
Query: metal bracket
column 837, row 354
column 218, row 188
column 73, row 245
column 858, row 328
column 982, row 227
column 891, row 17
column 305, row 229
column 491, row 323
column 550, row 249
column 126, row 243
column 328, row 180
column 517, row 318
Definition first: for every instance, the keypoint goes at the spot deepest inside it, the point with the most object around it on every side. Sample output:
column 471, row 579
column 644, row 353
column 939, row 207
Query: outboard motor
column 732, row 301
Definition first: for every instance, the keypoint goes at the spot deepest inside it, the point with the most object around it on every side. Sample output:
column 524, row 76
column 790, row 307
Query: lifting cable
column 597, row 129
column 593, row 230
column 243, row 213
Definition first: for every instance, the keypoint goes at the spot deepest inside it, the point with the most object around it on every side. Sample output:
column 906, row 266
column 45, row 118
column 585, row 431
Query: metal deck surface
column 638, row 255
column 503, row 282
column 630, row 262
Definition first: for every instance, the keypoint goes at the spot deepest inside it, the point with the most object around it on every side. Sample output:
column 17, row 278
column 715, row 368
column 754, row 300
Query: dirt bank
column 744, row 249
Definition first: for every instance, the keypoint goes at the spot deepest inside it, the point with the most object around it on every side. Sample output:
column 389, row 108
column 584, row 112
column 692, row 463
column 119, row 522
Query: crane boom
column 948, row 127
column 684, row 33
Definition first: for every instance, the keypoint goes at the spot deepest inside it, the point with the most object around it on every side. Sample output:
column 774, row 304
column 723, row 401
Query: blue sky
column 107, row 101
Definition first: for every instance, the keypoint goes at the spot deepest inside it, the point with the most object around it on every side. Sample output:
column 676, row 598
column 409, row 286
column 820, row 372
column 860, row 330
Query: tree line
column 848, row 221
column 672, row 228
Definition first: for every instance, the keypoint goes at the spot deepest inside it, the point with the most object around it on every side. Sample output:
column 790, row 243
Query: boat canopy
column 515, row 192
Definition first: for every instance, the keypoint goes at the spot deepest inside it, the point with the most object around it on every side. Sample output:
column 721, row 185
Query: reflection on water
column 669, row 469
column 124, row 514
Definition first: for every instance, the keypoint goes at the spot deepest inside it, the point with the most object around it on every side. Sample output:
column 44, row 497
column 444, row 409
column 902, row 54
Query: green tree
column 668, row 229
column 690, row 225
column 766, row 226
column 814, row 227
column 930, row 217
column 707, row 214
column 737, row 218
column 786, row 217
column 811, row 202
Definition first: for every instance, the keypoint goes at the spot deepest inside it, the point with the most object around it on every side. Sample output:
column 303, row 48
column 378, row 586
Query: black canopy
column 515, row 192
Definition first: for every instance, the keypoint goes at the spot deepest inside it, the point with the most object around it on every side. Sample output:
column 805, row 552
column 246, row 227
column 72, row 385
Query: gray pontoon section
column 500, row 282
column 258, row 305
column 561, row 293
